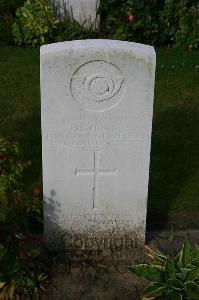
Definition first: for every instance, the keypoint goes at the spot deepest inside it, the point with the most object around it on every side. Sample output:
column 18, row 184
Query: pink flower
column 131, row 18
column 37, row 190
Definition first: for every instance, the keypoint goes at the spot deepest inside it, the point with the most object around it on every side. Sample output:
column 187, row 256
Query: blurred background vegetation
column 157, row 22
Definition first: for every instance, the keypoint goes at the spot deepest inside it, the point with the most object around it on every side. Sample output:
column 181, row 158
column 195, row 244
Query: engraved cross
column 95, row 172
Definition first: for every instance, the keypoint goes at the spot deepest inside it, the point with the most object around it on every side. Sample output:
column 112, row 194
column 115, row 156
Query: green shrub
column 172, row 277
column 168, row 22
column 146, row 21
column 35, row 23
column 180, row 24
column 187, row 35
column 21, row 273
column 7, row 12
column 131, row 20
column 152, row 21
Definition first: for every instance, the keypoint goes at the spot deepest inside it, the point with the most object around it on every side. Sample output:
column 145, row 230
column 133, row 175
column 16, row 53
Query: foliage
column 7, row 11
column 168, row 22
column 187, row 34
column 180, row 23
column 21, row 273
column 152, row 21
column 35, row 23
column 131, row 20
column 173, row 277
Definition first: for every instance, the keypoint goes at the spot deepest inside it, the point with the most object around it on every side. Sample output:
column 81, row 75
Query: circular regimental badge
column 97, row 85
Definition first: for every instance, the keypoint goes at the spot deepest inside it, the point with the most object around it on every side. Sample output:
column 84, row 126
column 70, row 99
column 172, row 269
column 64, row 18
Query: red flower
column 131, row 18
column 37, row 190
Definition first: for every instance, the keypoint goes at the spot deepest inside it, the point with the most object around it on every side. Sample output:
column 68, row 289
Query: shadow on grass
column 174, row 160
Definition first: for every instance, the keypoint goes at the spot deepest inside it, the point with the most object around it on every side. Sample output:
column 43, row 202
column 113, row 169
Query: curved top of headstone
column 139, row 50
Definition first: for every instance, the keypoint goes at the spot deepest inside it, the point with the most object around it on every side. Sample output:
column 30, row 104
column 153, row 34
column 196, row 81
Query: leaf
column 193, row 274
column 182, row 274
column 186, row 253
column 175, row 295
column 3, row 251
column 42, row 277
column 20, row 236
column 160, row 258
column 2, row 284
column 195, row 262
column 13, row 267
column 178, row 257
column 149, row 250
column 175, row 284
column 152, row 273
column 192, row 289
column 3, row 180
column 169, row 268
column 12, row 289
column 154, row 290
column 195, row 252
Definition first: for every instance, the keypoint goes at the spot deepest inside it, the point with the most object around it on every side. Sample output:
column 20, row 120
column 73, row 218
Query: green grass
column 20, row 103
column 174, row 171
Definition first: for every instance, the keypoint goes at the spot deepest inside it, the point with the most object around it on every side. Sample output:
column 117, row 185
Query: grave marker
column 82, row 11
column 97, row 107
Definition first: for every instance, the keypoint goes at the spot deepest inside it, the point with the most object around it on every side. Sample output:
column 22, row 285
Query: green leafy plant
column 21, row 271
column 152, row 21
column 7, row 13
column 35, row 23
column 187, row 34
column 131, row 20
column 171, row 277
column 168, row 22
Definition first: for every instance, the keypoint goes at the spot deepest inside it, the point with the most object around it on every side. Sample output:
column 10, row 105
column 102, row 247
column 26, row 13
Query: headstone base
column 112, row 247
column 107, row 259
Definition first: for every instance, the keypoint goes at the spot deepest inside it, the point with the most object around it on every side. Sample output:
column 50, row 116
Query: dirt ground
column 100, row 282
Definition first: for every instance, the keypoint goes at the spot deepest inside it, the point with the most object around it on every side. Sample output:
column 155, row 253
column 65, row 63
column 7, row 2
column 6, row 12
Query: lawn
column 174, row 171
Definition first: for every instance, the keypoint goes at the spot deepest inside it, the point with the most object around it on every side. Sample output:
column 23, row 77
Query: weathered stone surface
column 97, row 101
column 83, row 11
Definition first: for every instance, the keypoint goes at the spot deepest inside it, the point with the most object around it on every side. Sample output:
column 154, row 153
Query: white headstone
column 97, row 103
column 82, row 11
